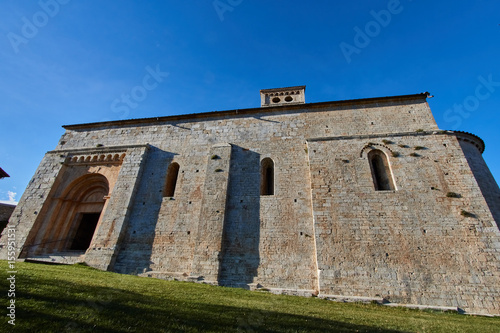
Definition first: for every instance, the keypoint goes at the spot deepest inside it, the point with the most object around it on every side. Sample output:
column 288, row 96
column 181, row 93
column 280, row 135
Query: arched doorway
column 75, row 217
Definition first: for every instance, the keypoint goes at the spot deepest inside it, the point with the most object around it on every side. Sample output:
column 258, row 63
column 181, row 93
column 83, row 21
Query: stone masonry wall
column 411, row 245
column 487, row 184
column 325, row 230
column 108, row 237
column 31, row 203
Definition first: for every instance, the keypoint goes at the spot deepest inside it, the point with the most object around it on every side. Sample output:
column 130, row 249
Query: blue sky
column 72, row 61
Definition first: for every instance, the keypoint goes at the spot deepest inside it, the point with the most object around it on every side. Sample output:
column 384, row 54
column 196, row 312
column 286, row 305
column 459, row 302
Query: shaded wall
column 5, row 213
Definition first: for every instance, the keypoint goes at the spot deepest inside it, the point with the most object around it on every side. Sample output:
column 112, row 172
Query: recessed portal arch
column 74, row 218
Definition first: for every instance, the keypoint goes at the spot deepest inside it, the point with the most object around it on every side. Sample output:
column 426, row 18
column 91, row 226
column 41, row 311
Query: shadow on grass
column 59, row 306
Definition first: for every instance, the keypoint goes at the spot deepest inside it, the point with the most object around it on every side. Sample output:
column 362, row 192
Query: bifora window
column 267, row 177
column 381, row 172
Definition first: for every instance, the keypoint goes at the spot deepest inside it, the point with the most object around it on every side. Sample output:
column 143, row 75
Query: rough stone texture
column 32, row 203
column 410, row 245
column 107, row 240
column 325, row 231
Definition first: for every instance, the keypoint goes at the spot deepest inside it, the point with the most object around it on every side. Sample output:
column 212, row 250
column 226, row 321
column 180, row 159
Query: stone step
column 68, row 258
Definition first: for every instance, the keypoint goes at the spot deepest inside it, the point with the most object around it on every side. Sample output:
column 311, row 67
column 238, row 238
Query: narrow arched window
column 267, row 177
column 381, row 172
column 172, row 174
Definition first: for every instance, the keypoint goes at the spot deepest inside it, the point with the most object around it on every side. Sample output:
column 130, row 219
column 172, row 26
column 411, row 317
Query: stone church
column 361, row 199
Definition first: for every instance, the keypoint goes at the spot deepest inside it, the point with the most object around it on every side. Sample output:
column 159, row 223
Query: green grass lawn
column 53, row 298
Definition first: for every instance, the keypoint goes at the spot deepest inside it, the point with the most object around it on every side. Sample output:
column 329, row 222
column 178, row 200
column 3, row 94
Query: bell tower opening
column 282, row 96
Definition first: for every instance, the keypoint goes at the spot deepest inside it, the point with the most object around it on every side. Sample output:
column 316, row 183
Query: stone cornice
column 97, row 150
column 281, row 89
column 464, row 136
column 98, row 155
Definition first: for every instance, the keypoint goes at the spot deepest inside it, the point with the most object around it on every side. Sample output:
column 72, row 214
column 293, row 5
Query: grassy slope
column 53, row 298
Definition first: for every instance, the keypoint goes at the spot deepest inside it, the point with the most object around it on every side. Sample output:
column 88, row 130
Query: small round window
column 276, row 100
column 288, row 98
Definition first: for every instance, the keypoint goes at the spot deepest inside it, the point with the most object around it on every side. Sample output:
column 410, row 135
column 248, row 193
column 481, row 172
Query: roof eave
column 269, row 109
